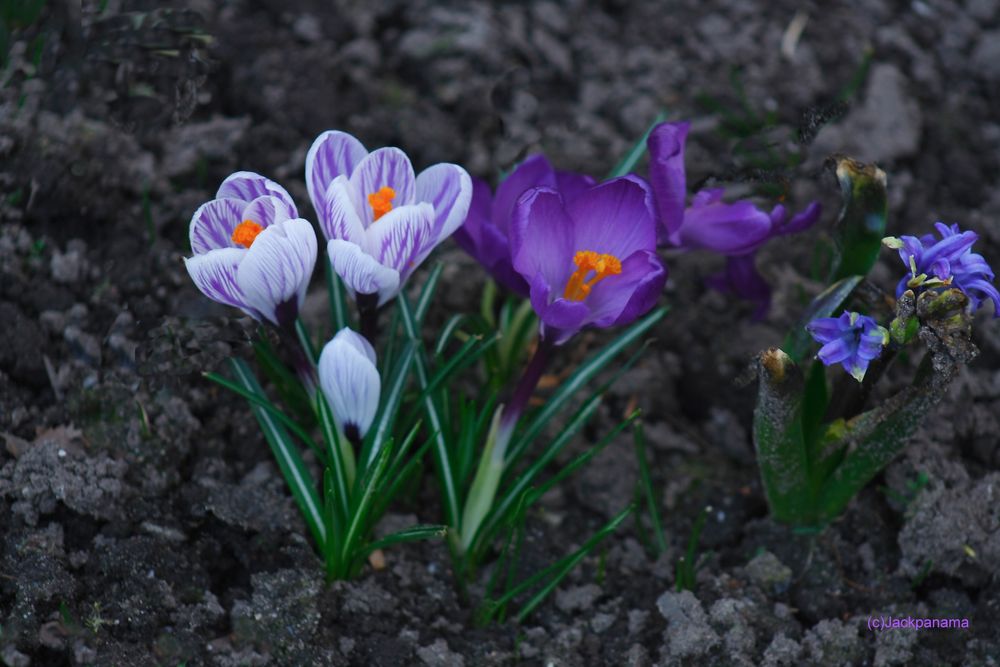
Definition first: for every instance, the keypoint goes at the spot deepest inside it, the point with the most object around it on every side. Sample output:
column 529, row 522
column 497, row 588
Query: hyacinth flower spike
column 251, row 250
column 946, row 262
column 486, row 232
column 381, row 221
column 352, row 385
column 736, row 230
column 851, row 340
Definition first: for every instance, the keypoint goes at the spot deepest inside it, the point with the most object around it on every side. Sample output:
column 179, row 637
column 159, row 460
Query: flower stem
column 368, row 316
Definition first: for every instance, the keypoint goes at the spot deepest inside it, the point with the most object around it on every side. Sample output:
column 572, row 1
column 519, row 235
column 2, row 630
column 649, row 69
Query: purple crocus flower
column 737, row 230
column 251, row 250
column 591, row 260
column 486, row 230
column 946, row 262
column 851, row 340
column 380, row 219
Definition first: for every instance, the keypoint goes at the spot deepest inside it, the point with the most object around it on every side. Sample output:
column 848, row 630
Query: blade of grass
column 339, row 316
column 427, row 294
column 343, row 470
column 647, row 488
column 411, row 534
column 634, row 154
column 392, row 397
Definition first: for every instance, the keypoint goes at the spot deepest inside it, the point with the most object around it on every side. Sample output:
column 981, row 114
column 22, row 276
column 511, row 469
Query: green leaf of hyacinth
column 861, row 227
column 829, row 301
column 411, row 534
column 290, row 462
column 632, row 157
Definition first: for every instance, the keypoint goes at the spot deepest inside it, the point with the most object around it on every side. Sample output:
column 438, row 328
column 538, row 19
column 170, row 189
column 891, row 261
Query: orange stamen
column 578, row 287
column 246, row 232
column 381, row 201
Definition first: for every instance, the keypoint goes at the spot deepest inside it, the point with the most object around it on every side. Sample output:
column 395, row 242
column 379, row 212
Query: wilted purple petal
column 667, row 176
column 213, row 223
column 332, row 154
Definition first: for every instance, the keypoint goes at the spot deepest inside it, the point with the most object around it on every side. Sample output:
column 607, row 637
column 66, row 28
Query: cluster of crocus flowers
column 380, row 220
column 851, row 340
column 251, row 250
column 737, row 230
column 946, row 262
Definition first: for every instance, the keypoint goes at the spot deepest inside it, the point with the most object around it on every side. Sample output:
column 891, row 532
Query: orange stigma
column 246, row 232
column 578, row 287
column 381, row 201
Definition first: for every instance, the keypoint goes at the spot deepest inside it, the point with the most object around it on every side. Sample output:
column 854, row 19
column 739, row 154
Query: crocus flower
column 736, row 230
column 350, row 382
column 485, row 234
column 851, row 340
column 251, row 250
column 381, row 221
column 589, row 261
column 946, row 262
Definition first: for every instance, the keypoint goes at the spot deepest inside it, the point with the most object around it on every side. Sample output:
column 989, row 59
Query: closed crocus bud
column 350, row 382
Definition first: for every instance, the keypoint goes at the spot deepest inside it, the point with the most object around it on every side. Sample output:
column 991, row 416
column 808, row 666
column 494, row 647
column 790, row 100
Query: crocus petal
column 213, row 223
column 571, row 184
column 741, row 278
column 667, row 176
column 400, row 237
column 469, row 235
column 267, row 210
column 613, row 218
column 541, row 238
column 214, row 273
column 361, row 273
column 561, row 316
column 247, row 186
column 339, row 219
column 835, row 351
column 535, row 171
column 618, row 300
column 333, row 154
column 730, row 229
column 275, row 273
column 448, row 188
column 384, row 167
column 350, row 381
column 802, row 220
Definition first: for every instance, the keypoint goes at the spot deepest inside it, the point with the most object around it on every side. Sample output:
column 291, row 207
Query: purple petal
column 448, row 188
column 742, row 279
column 399, row 238
column 567, row 317
column 730, row 229
column 275, row 273
column 267, row 210
column 384, row 167
column 707, row 197
column 667, row 176
column 571, row 184
column 469, row 235
column 802, row 220
column 361, row 273
column 941, row 268
column 333, row 154
column 534, row 172
column 494, row 255
column 541, row 238
column 613, row 218
column 835, row 351
column 618, row 300
column 339, row 219
column 214, row 273
column 213, row 223
column 824, row 329
column 989, row 292
column 950, row 247
column 247, row 186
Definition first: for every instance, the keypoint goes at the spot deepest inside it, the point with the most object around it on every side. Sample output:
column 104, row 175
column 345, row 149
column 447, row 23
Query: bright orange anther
column 246, row 232
column 587, row 261
column 381, row 201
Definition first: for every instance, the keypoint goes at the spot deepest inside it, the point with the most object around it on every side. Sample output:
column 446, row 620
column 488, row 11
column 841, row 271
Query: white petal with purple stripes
column 385, row 167
column 213, row 223
column 247, row 186
column 350, row 381
column 275, row 273
column 339, row 219
column 333, row 154
column 361, row 273
column 448, row 188
column 215, row 274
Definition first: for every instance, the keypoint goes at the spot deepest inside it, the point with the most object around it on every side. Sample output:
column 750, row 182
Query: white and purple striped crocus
column 350, row 382
column 381, row 221
column 736, row 230
column 590, row 261
column 251, row 250
column 485, row 234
